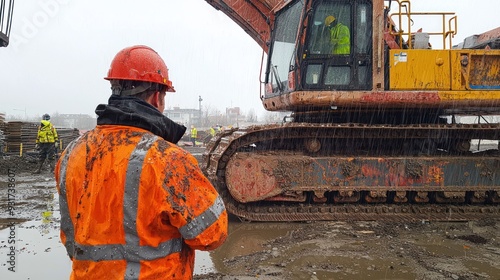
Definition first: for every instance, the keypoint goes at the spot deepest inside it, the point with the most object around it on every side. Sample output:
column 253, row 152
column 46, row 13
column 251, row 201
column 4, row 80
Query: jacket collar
column 132, row 111
column 45, row 122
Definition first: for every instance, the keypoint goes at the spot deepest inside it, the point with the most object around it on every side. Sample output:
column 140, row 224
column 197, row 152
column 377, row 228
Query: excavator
column 382, row 125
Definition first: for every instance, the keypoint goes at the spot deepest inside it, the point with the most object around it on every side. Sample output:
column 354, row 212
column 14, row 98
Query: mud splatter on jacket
column 133, row 205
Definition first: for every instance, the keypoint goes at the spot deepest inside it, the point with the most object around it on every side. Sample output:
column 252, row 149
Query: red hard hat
column 139, row 63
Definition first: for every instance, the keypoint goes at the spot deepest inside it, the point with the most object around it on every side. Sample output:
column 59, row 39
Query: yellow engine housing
column 444, row 70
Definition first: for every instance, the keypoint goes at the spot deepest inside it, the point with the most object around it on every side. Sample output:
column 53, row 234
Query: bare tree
column 272, row 117
column 251, row 116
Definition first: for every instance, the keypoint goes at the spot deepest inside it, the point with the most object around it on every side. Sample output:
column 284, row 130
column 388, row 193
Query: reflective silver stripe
column 127, row 252
column 133, row 270
column 131, row 200
column 203, row 221
column 131, row 195
column 66, row 223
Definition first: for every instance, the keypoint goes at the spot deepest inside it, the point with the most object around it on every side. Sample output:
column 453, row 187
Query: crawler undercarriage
column 348, row 171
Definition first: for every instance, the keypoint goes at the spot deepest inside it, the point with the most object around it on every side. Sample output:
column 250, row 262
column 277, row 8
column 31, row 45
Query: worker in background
column 340, row 38
column 194, row 135
column 46, row 143
column 133, row 204
column 210, row 133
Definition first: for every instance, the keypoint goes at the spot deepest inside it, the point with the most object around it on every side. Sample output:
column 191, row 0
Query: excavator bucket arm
column 254, row 16
column 6, row 11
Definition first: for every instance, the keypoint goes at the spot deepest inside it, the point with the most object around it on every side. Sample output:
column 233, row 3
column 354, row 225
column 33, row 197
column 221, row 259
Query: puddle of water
column 39, row 253
column 248, row 238
column 245, row 239
column 440, row 246
column 484, row 270
column 462, row 251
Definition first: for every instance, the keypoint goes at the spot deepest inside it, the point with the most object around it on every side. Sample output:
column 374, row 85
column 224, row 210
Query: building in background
column 186, row 117
column 79, row 121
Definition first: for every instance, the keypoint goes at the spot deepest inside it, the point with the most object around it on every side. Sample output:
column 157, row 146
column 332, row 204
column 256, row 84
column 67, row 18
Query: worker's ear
column 155, row 99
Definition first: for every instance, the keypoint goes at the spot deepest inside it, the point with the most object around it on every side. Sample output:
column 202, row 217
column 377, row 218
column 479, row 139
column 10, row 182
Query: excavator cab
column 325, row 69
column 321, row 68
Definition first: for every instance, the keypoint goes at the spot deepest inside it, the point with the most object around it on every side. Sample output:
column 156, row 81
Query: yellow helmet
column 329, row 20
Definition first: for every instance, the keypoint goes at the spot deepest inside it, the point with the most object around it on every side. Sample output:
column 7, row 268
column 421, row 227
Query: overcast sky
column 60, row 50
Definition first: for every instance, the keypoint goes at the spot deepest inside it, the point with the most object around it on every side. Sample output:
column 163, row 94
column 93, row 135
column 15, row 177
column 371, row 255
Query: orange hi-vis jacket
column 134, row 206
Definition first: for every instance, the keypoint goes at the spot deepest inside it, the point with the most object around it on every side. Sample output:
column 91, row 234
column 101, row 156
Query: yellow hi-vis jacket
column 134, row 206
column 194, row 133
column 340, row 39
column 47, row 133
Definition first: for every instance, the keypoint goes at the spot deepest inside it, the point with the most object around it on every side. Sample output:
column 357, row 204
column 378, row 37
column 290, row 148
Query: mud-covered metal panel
column 484, row 70
column 477, row 70
column 419, row 69
column 253, row 177
column 432, row 173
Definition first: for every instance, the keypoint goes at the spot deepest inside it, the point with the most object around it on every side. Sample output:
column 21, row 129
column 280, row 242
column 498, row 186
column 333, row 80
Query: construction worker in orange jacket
column 133, row 204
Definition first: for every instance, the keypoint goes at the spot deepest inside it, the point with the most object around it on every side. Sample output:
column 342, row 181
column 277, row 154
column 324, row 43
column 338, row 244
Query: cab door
column 326, row 67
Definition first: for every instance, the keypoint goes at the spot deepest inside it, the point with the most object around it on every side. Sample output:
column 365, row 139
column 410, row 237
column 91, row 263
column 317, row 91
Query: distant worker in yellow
column 340, row 38
column 46, row 142
column 212, row 131
column 194, row 135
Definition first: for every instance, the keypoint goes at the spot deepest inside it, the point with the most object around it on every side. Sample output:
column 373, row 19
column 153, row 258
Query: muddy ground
column 314, row 250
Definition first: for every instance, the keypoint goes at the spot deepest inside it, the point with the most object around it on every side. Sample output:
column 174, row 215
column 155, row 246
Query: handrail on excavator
column 446, row 32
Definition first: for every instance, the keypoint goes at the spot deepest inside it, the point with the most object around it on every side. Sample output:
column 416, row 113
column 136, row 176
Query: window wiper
column 277, row 76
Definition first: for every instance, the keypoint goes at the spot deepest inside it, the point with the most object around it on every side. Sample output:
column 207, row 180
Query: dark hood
column 132, row 111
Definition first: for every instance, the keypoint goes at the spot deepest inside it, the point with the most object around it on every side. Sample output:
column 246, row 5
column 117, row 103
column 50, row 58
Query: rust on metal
column 289, row 184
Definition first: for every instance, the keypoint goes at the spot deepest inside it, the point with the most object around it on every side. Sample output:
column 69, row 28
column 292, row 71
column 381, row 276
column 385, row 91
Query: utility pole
column 199, row 108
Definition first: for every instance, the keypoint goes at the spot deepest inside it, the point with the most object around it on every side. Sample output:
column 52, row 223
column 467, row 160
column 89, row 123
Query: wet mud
column 314, row 250
column 359, row 250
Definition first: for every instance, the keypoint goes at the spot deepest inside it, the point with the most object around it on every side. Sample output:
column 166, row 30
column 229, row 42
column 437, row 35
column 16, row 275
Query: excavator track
column 346, row 190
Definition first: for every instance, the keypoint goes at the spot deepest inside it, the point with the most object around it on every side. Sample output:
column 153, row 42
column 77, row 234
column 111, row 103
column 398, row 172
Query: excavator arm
column 6, row 10
column 254, row 16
